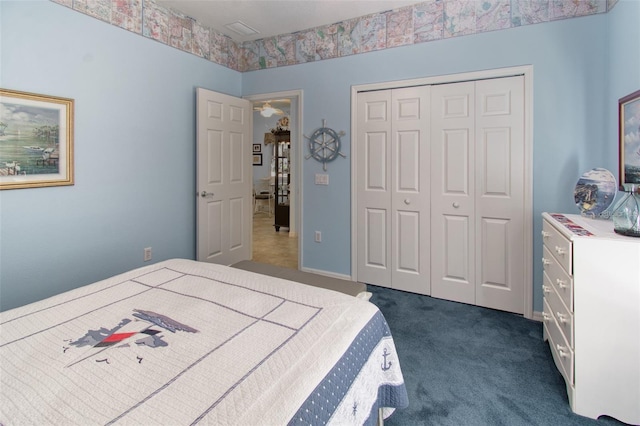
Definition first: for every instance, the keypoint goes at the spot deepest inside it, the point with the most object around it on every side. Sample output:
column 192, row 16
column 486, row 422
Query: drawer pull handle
column 562, row 318
column 545, row 262
column 561, row 283
column 560, row 251
column 545, row 234
column 562, row 351
column 545, row 289
column 546, row 317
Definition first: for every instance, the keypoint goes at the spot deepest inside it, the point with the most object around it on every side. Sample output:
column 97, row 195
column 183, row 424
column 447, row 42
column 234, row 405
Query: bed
column 185, row 342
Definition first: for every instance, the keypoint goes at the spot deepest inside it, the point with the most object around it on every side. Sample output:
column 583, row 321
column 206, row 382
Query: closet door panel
column 456, row 260
column 455, row 163
column 499, row 203
column 373, row 209
column 452, row 196
column 375, row 240
column 410, row 189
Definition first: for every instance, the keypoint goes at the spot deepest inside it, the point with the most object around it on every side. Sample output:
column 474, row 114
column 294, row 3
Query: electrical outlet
column 147, row 254
column 318, row 237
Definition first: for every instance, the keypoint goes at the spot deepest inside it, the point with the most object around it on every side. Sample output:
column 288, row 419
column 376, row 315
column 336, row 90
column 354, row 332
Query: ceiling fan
column 266, row 110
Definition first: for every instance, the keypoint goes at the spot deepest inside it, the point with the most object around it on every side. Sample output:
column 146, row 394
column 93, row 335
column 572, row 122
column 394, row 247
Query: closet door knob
column 456, row 205
column 205, row 194
column 407, row 201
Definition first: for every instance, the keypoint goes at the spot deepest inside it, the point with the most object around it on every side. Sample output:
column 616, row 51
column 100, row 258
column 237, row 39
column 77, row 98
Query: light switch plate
column 322, row 179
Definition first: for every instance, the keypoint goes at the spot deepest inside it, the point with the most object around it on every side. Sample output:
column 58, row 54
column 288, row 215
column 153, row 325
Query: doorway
column 277, row 172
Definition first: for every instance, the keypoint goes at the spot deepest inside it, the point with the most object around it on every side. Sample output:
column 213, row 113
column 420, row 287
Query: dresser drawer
column 562, row 282
column 559, row 246
column 560, row 350
column 563, row 317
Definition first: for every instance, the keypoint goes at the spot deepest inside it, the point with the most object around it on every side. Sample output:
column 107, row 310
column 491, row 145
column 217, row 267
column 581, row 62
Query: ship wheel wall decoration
column 324, row 145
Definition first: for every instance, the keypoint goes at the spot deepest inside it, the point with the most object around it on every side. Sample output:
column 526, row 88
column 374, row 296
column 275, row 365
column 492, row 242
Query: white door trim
column 524, row 70
column 295, row 219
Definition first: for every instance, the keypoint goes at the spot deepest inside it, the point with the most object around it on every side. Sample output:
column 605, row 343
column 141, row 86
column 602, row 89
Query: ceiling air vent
column 241, row 28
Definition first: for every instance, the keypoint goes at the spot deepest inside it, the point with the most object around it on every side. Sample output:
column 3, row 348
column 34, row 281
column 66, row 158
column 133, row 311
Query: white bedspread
column 183, row 342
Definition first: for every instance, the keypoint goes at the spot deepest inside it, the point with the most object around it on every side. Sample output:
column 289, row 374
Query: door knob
column 456, row 205
column 407, row 201
column 205, row 194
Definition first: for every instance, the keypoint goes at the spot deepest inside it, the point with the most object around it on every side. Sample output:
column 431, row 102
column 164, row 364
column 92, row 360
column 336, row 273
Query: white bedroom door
column 223, row 178
column 478, row 163
column 393, row 188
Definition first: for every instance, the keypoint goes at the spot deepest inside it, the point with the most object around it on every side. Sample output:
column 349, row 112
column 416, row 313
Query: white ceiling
column 274, row 17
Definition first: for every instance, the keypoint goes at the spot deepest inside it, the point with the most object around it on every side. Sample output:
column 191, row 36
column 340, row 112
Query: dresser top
column 576, row 226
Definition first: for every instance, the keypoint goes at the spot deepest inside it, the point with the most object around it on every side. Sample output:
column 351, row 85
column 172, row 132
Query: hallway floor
column 269, row 246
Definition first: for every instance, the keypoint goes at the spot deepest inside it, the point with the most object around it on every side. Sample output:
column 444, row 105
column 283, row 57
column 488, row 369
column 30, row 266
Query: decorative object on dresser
column 626, row 215
column 595, row 191
column 591, row 314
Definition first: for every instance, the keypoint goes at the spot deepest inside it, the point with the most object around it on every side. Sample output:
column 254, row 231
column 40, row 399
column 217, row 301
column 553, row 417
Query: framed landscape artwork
column 629, row 130
column 36, row 140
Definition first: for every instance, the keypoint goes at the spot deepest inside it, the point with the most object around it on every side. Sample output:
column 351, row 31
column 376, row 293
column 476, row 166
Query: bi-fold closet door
column 393, row 188
column 440, row 196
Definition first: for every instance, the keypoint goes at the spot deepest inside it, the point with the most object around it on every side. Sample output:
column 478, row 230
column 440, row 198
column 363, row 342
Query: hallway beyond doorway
column 269, row 246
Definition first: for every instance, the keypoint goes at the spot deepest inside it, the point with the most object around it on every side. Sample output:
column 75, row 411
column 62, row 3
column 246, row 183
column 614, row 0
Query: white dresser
column 592, row 314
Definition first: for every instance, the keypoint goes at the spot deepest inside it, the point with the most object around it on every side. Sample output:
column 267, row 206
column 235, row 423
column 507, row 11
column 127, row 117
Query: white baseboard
column 537, row 316
column 327, row 274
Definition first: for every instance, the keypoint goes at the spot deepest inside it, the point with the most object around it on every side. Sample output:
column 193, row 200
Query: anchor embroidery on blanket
column 385, row 365
column 138, row 328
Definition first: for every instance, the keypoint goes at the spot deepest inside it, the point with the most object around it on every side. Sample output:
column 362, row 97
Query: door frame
column 296, row 213
column 527, row 72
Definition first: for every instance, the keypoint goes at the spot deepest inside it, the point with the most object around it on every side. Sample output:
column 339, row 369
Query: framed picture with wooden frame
column 629, row 140
column 36, row 140
column 257, row 147
column 257, row 159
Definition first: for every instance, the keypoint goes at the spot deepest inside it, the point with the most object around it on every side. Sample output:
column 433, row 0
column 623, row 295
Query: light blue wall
column 134, row 150
column 135, row 138
column 572, row 112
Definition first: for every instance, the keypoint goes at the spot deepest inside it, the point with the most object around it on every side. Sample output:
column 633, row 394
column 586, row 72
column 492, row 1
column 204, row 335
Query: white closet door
column 393, row 188
column 373, row 187
column 410, row 191
column 477, row 195
column 499, row 169
column 452, row 192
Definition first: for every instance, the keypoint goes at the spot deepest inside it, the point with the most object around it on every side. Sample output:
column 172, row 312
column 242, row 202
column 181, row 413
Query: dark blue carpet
column 466, row 365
